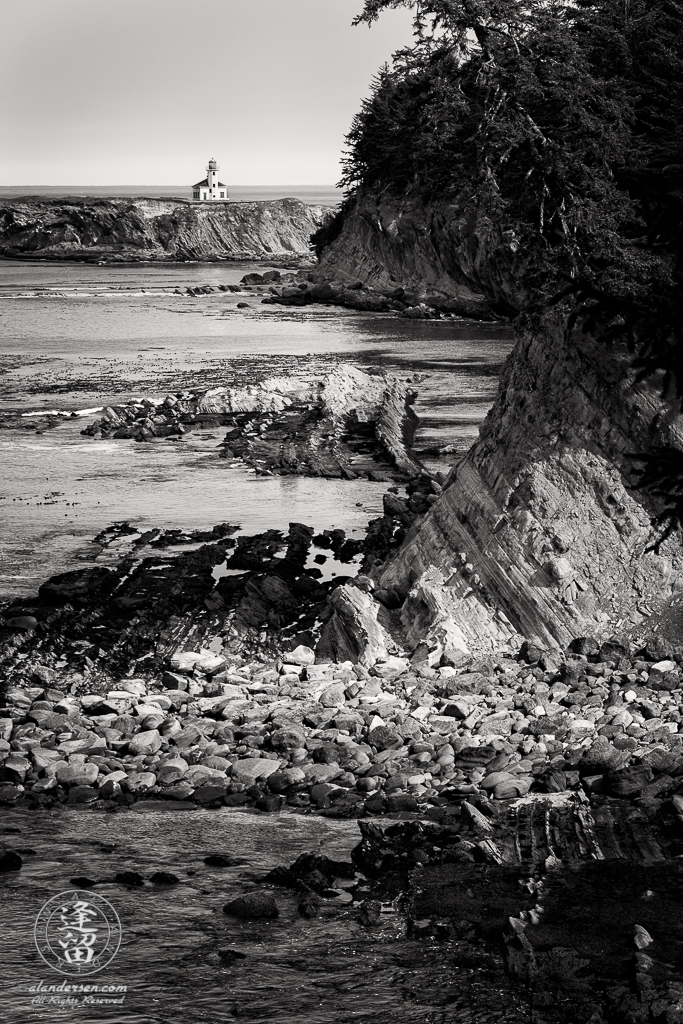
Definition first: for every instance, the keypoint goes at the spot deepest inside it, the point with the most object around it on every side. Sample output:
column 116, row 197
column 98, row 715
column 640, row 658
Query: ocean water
column 293, row 970
column 78, row 337
column 324, row 195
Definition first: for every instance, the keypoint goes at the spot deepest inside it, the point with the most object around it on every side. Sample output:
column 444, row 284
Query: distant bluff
column 158, row 230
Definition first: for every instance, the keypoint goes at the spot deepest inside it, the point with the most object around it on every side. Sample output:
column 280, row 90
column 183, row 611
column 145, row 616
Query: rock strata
column 541, row 530
column 347, row 423
column 130, row 230
column 581, row 896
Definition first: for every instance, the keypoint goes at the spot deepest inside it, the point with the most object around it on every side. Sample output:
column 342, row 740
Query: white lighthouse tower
column 210, row 189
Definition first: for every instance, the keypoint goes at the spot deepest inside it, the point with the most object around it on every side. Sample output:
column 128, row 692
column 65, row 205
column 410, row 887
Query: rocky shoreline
column 314, row 286
column 346, row 423
column 535, row 800
column 265, row 687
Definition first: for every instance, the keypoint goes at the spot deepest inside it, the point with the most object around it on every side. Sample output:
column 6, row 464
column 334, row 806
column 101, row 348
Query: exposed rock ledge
column 540, row 530
column 537, row 527
column 125, row 230
column 345, row 423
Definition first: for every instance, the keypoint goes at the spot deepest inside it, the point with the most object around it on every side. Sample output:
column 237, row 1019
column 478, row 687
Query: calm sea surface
column 77, row 337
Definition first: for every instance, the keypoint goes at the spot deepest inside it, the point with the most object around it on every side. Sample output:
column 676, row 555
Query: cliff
column 539, row 530
column 430, row 251
column 155, row 229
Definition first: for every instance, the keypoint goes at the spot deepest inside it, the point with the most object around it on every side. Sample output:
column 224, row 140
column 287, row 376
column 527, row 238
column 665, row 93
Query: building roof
column 205, row 184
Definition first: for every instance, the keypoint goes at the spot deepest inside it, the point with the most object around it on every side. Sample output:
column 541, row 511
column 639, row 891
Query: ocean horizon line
column 320, row 194
column 317, row 184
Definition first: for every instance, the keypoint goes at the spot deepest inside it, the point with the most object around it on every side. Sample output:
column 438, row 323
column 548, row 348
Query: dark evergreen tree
column 565, row 120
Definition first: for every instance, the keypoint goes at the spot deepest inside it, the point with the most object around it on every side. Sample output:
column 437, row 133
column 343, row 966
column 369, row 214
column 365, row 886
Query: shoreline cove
column 295, row 679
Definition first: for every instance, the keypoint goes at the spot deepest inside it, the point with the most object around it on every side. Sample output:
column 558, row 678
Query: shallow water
column 329, row 970
column 77, row 337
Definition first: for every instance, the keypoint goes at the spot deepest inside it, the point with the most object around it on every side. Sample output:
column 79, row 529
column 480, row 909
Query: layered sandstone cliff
column 156, row 229
column 539, row 530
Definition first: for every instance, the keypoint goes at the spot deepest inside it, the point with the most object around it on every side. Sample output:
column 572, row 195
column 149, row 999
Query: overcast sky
column 100, row 92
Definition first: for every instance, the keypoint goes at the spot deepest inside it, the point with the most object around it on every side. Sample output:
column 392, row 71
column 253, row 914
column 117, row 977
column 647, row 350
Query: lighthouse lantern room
column 210, row 188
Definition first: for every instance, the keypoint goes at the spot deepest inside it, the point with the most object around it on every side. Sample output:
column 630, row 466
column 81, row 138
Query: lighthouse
column 210, row 189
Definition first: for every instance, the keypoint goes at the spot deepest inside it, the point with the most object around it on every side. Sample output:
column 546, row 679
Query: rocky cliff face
column 539, row 530
column 389, row 244
column 155, row 229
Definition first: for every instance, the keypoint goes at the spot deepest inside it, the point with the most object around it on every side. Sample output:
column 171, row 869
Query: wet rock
column 15, row 769
column 402, row 802
column 269, row 803
column 309, row 906
column 133, row 879
column 10, row 860
column 219, row 860
column 231, row 956
column 164, row 878
column 370, row 913
column 629, row 781
column 252, row 907
column 77, row 585
column 23, row 622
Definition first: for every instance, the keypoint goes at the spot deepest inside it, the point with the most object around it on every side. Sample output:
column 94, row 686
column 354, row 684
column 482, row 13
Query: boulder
column 204, row 661
column 139, row 782
column 333, row 696
column 253, row 906
column 390, row 667
column 77, row 774
column 145, row 742
column 301, row 655
column 249, row 770
column 10, row 860
column 352, row 633
column 288, row 737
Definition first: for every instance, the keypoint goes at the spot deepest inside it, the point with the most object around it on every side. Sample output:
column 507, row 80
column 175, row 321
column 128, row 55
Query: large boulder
column 77, row 774
column 352, row 633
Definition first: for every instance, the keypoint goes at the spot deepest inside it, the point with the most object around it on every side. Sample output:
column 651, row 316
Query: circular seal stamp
column 77, row 932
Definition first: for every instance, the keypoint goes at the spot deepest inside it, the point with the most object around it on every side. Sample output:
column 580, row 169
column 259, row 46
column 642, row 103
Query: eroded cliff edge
column 427, row 248
column 126, row 230
column 540, row 530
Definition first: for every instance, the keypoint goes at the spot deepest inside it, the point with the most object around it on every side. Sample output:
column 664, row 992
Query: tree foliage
column 563, row 118
column 567, row 115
